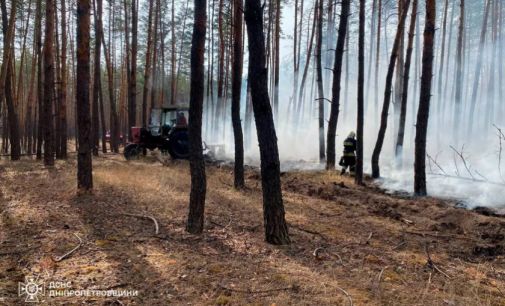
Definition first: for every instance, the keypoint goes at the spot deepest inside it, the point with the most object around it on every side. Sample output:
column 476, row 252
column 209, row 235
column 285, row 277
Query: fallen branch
column 340, row 259
column 256, row 291
column 316, row 252
column 157, row 229
column 58, row 259
column 431, row 263
column 439, row 236
column 345, row 292
column 308, row 231
column 380, row 277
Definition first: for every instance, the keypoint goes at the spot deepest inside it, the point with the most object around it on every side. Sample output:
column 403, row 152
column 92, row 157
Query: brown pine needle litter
column 350, row 246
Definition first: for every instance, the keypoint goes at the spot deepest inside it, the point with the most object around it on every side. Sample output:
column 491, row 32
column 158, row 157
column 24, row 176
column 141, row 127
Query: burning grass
column 348, row 242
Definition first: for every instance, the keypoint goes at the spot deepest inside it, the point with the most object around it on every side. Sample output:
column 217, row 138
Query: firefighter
column 349, row 157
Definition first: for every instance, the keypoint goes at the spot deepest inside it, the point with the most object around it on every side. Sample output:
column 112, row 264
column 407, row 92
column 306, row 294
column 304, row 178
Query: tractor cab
column 164, row 121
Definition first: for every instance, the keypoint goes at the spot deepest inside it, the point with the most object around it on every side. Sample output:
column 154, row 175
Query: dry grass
column 230, row 264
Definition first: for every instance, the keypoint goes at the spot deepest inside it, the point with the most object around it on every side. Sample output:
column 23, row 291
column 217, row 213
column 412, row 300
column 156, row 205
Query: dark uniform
column 349, row 157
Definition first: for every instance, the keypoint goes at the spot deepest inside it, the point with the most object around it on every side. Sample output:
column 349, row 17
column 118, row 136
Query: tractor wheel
column 179, row 146
column 132, row 151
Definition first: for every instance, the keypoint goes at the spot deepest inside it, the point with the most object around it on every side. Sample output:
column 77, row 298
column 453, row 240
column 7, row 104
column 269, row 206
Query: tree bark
column 98, row 76
column 147, row 68
column 441, row 69
column 97, row 80
column 305, row 70
column 405, row 90
column 377, row 64
column 115, row 128
column 459, row 63
column 154, row 82
column 361, row 84
column 424, row 102
column 6, row 79
column 220, row 72
column 196, row 161
column 370, row 56
column 276, row 230
column 132, row 114
column 387, row 92
column 236, row 92
column 84, row 162
column 320, row 89
column 49, row 85
column 277, row 61
column 337, row 77
column 172, row 61
column 63, row 92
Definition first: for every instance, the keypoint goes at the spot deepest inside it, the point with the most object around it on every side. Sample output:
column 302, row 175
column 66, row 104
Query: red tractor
column 167, row 131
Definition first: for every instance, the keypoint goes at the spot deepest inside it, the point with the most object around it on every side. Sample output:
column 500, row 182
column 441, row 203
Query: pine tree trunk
column 305, row 70
column 181, row 49
column 172, row 61
column 387, row 92
column 441, row 69
column 276, row 230
column 57, row 88
column 6, row 80
column 370, row 56
column 335, row 92
column 147, row 68
column 154, row 82
column 115, row 127
column 98, row 76
column 377, row 64
column 84, row 166
column 277, row 61
column 20, row 94
column 97, row 82
column 478, row 68
column 220, row 72
column 459, row 63
column 49, row 85
column 416, row 80
column 132, row 102
column 196, row 161
column 405, row 90
column 320, row 89
column 397, row 89
column 361, row 94
column 30, row 120
column 490, row 97
column 63, row 92
column 236, row 92
column 424, row 101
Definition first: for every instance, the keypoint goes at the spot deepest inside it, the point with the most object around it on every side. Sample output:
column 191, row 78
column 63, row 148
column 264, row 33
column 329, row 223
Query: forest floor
column 348, row 242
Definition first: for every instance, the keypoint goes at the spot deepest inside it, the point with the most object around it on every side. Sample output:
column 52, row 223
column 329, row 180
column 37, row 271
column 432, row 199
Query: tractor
column 167, row 131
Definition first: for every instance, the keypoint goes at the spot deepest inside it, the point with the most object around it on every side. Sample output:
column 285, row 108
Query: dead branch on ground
column 432, row 264
column 157, row 229
column 308, row 231
column 58, row 259
column 256, row 291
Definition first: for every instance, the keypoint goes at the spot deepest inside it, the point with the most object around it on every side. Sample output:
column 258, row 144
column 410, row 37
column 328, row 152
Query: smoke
column 480, row 185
